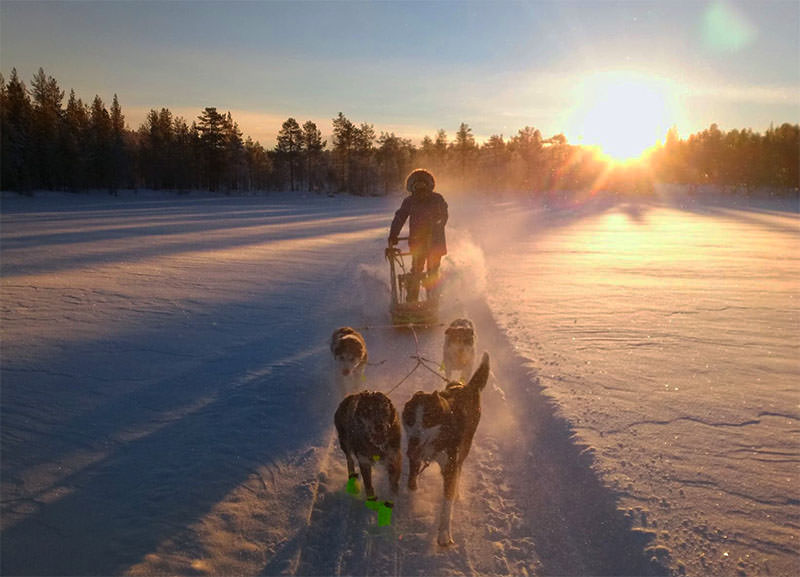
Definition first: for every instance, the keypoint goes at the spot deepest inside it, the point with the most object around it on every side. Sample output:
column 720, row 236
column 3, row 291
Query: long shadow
column 120, row 508
column 165, row 451
column 194, row 245
column 202, row 237
column 113, row 226
column 752, row 216
column 573, row 519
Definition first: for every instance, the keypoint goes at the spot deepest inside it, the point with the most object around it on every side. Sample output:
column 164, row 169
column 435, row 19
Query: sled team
column 439, row 426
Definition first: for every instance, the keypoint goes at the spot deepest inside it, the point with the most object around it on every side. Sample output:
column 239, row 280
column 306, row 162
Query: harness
column 421, row 362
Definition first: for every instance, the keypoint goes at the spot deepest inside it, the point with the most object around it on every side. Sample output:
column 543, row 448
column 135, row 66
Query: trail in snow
column 529, row 502
column 167, row 408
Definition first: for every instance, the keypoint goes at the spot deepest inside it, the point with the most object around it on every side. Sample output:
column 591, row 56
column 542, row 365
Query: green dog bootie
column 372, row 503
column 385, row 514
column 353, row 486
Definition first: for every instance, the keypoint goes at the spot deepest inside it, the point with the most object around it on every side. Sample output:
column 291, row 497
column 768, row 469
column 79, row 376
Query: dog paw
column 445, row 541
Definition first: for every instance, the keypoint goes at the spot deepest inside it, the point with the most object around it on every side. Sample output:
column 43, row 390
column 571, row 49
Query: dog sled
column 408, row 307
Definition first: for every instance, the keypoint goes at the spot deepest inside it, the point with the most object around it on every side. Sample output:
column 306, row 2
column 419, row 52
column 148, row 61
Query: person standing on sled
column 426, row 212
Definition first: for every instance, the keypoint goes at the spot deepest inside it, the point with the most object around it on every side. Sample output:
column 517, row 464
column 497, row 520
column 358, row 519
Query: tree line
column 47, row 143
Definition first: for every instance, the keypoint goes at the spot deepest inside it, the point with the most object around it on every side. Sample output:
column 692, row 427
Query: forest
column 48, row 143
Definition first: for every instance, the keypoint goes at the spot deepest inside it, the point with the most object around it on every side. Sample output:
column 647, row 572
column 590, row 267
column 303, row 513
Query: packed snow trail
column 167, row 405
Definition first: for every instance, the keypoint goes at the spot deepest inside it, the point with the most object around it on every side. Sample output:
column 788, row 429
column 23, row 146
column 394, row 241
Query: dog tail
column 481, row 375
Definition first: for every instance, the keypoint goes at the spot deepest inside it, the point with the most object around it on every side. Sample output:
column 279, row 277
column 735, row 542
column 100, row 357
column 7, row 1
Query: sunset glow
column 623, row 113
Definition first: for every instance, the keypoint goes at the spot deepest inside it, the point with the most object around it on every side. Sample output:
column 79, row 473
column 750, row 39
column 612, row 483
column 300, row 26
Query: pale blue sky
column 415, row 67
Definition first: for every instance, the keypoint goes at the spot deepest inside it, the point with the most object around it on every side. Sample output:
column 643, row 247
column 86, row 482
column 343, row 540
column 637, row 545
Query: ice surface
column 167, row 404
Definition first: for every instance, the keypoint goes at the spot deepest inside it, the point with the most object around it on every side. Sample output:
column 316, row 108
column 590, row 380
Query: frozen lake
column 669, row 333
column 165, row 406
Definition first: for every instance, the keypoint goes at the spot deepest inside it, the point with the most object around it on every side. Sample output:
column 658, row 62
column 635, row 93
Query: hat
column 416, row 176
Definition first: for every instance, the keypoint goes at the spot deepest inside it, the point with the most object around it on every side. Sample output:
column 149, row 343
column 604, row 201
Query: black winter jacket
column 427, row 214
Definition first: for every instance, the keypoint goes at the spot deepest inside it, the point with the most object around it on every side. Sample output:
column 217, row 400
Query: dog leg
column 394, row 468
column 444, row 539
column 450, row 472
column 414, row 464
column 366, row 475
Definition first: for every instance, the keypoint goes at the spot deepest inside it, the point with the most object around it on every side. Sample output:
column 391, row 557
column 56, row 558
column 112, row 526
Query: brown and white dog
column 349, row 358
column 439, row 427
column 370, row 433
column 458, row 352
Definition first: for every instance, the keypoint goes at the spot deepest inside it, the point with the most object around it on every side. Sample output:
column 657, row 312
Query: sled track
column 342, row 536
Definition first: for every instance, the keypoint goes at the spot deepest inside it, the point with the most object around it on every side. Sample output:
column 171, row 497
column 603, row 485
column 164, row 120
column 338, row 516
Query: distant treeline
column 74, row 146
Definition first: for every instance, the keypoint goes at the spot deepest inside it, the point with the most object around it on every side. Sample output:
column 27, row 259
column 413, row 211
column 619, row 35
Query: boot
column 432, row 287
column 412, row 288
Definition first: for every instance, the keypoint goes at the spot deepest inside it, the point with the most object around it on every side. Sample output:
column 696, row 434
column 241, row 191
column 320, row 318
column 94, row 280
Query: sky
column 612, row 74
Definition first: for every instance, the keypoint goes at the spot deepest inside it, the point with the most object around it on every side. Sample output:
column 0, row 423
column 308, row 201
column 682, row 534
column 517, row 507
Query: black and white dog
column 349, row 352
column 458, row 352
column 439, row 427
column 370, row 433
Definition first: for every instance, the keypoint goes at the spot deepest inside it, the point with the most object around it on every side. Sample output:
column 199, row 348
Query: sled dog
column 439, row 427
column 369, row 432
column 349, row 358
column 458, row 352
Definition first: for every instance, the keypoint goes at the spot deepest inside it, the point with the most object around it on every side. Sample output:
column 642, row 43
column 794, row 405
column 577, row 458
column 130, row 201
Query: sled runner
column 405, row 312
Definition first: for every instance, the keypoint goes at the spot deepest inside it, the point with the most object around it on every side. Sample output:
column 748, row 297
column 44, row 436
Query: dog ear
column 410, row 407
column 481, row 375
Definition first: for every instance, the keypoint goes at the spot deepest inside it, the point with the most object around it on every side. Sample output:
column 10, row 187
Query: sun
column 623, row 113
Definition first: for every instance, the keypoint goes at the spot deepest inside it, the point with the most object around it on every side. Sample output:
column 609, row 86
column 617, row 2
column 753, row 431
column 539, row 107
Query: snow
column 167, row 399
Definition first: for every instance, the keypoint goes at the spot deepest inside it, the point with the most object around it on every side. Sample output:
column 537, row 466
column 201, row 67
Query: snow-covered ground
column 167, row 401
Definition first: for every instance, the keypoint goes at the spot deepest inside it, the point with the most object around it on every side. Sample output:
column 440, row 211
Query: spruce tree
column 47, row 98
column 17, row 136
column 289, row 146
column 313, row 146
column 211, row 128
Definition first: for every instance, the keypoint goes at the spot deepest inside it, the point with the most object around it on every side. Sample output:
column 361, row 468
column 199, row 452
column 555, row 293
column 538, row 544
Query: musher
column 427, row 214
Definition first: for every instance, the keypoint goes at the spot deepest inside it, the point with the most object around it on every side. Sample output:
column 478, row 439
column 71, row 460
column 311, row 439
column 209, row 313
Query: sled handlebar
column 392, row 250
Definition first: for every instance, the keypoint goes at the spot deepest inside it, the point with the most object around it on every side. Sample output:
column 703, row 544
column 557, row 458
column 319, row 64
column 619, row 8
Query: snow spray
column 464, row 268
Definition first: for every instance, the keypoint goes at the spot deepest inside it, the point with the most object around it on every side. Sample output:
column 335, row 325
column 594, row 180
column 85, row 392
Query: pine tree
column 259, row 166
column 118, row 160
column 394, row 157
column 528, row 146
column 47, row 98
column 313, row 145
column 185, row 145
column 211, row 128
column 74, row 144
column 464, row 148
column 363, row 148
column 440, row 148
column 17, row 135
column 235, row 159
column 494, row 165
column 157, row 150
column 100, row 144
column 343, row 143
column 289, row 147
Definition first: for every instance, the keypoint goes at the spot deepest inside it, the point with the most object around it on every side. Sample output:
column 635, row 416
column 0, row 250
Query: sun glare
column 623, row 113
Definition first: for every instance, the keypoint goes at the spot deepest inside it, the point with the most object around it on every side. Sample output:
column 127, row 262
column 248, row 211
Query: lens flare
column 623, row 113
